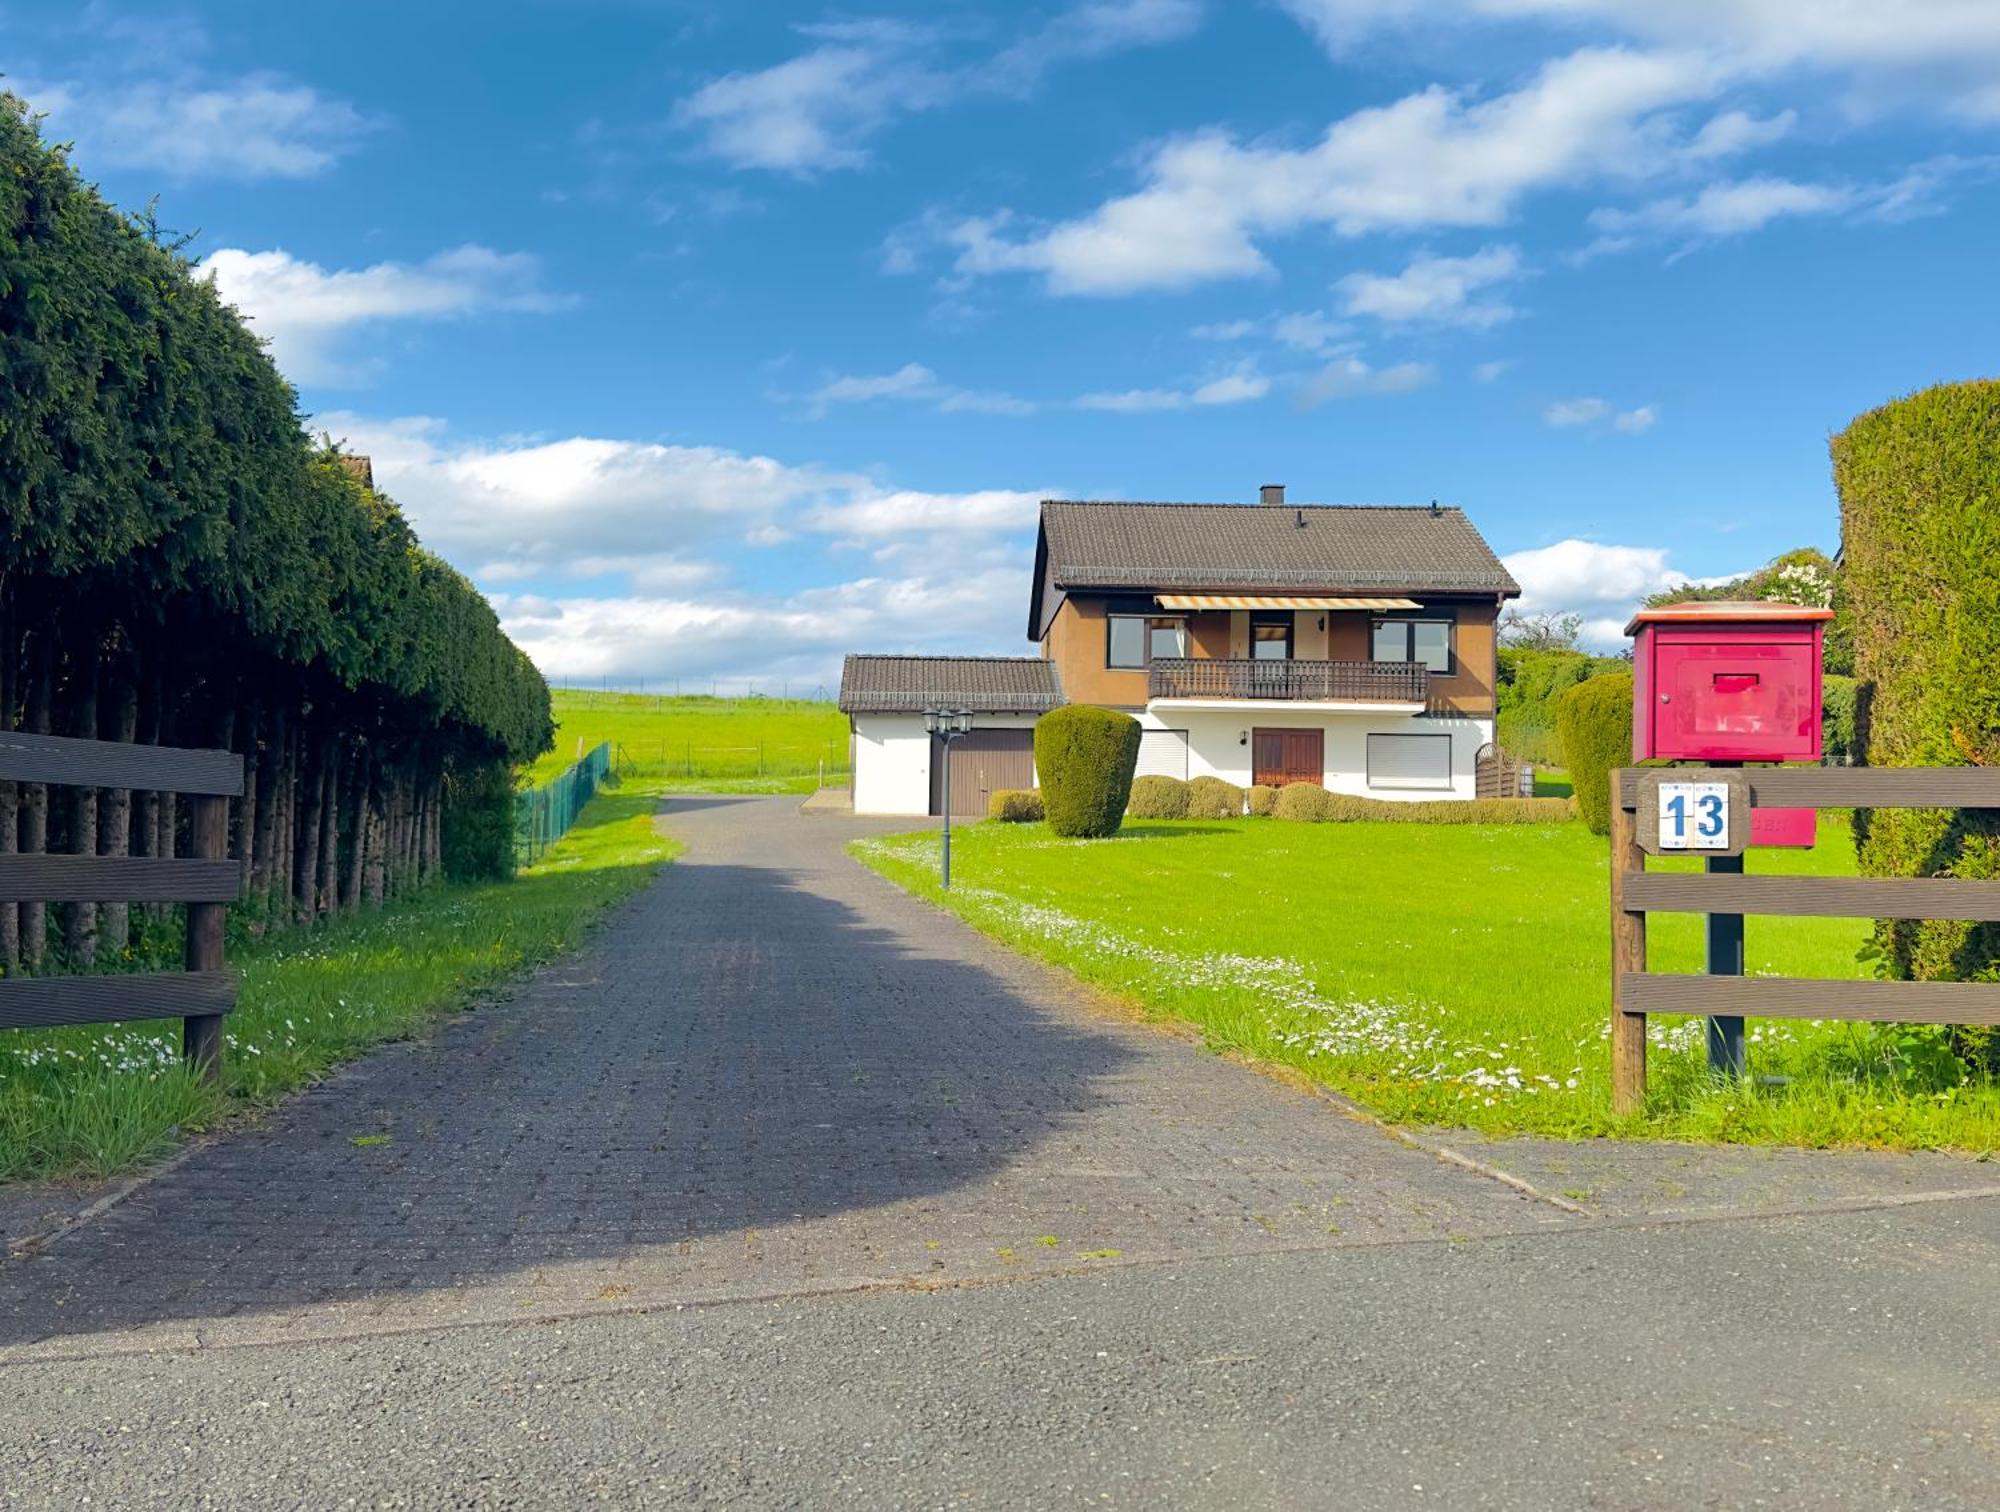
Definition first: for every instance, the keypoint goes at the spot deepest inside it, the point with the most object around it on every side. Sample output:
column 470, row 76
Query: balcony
column 1231, row 680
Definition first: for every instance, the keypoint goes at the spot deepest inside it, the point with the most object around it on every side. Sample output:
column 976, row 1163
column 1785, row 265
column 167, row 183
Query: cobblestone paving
column 771, row 1072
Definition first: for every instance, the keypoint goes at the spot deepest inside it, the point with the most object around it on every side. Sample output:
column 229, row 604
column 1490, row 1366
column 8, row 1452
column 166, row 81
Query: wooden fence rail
column 1635, row 892
column 206, row 882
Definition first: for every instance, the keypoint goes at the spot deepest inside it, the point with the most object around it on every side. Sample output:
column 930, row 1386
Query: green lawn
column 92, row 1101
column 759, row 745
column 1452, row 974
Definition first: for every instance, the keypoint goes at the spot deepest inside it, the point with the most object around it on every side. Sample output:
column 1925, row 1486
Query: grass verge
column 1450, row 975
column 88, row 1102
column 701, row 741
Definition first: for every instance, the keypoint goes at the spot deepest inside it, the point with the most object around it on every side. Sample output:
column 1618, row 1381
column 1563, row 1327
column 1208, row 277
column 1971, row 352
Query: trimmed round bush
column 1015, row 806
column 1212, row 798
column 1260, row 798
column 1084, row 758
column 1919, row 484
column 1158, row 798
column 1304, row 803
column 1594, row 722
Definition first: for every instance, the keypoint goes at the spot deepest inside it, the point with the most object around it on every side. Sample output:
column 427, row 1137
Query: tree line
column 182, row 564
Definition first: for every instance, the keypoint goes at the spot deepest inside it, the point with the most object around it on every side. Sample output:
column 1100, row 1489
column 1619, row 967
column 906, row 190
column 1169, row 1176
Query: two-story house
column 1353, row 646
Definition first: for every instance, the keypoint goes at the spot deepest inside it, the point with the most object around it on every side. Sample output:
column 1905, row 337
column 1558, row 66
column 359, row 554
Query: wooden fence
column 1635, row 892
column 206, row 881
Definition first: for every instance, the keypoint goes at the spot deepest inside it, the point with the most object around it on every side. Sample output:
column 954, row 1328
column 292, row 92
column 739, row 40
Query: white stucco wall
column 1219, row 744
column 892, row 759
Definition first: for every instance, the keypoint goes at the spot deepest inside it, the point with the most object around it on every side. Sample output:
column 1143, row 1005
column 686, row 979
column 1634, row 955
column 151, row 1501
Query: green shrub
column 1345, row 806
column 1084, row 758
column 1594, row 722
column 1261, row 799
column 1837, row 727
column 1531, row 684
column 1919, row 484
column 1303, row 802
column 1212, row 798
column 476, row 823
column 1015, row 806
column 1158, row 798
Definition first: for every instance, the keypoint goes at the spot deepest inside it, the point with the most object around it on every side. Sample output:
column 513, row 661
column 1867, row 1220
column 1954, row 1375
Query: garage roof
column 984, row 684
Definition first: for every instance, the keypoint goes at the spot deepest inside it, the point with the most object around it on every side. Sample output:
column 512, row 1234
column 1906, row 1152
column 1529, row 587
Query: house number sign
column 1704, row 813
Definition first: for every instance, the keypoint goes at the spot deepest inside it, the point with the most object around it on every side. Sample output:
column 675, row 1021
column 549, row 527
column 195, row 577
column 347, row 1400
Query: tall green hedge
column 1919, row 485
column 1594, row 721
column 1084, row 758
column 1532, row 681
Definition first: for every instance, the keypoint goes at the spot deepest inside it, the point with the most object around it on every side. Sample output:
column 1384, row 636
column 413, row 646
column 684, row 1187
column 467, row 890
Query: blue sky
column 716, row 340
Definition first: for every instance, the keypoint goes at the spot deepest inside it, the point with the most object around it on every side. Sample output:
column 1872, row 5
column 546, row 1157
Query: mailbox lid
column 1753, row 699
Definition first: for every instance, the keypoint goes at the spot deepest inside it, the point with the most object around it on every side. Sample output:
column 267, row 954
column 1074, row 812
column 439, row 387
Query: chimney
column 361, row 469
column 1271, row 493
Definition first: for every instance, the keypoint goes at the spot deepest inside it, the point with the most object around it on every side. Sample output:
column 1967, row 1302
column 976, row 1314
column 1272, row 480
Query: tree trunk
column 34, row 836
column 375, row 879
column 146, row 803
column 270, row 804
column 10, row 810
column 246, row 806
column 356, row 805
column 80, row 919
column 312, row 786
column 114, row 818
column 326, row 885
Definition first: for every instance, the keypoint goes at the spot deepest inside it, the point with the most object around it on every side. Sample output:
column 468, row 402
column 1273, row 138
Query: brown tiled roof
column 984, row 684
column 1216, row 546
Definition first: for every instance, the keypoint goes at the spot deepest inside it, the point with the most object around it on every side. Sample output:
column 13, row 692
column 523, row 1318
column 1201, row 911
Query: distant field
column 750, row 744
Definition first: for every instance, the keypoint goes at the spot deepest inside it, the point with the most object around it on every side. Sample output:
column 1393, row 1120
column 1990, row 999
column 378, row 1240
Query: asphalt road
column 790, row 1191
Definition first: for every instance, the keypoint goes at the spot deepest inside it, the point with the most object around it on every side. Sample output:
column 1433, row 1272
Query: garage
column 899, row 766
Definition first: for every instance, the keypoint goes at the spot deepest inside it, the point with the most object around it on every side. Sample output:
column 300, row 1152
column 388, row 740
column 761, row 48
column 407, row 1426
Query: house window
column 1409, row 762
column 1132, row 640
column 1271, row 637
column 1424, row 641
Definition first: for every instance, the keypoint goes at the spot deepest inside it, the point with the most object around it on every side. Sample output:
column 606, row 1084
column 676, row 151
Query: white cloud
column 1239, row 386
column 305, row 310
column 1351, row 378
column 1223, row 330
column 579, row 505
column 915, row 383
column 1432, row 159
column 258, row 127
column 817, row 111
column 1437, row 290
column 1565, row 414
column 765, row 638
column 1728, row 209
column 1309, row 330
column 1928, row 53
column 1603, row 584
column 1489, row 372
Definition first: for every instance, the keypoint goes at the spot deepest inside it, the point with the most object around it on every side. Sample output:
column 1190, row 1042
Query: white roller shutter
column 1163, row 753
column 1409, row 761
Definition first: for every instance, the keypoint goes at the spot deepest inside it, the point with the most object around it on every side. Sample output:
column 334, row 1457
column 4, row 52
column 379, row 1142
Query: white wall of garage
column 892, row 759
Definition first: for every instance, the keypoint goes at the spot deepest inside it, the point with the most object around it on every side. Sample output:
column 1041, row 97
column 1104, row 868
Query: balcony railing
column 1297, row 681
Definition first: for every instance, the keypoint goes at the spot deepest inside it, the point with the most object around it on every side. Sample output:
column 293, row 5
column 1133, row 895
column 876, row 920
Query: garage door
column 980, row 763
column 1163, row 753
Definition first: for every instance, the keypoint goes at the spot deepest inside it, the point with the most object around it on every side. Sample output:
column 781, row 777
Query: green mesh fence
column 543, row 815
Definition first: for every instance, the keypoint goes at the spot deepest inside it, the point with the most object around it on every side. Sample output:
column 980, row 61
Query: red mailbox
column 1729, row 682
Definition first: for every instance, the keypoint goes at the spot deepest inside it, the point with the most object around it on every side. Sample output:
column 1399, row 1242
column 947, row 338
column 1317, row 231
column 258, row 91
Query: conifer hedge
column 1594, row 722
column 1919, row 484
column 180, row 564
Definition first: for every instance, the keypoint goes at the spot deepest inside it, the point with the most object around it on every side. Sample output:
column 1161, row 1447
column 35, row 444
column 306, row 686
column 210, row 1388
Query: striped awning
column 1278, row 601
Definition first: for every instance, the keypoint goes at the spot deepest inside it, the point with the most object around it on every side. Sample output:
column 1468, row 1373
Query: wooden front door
column 980, row 763
column 1281, row 756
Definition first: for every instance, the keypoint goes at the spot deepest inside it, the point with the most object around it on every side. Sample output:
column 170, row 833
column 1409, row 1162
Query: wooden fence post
column 201, row 1038
column 1628, row 958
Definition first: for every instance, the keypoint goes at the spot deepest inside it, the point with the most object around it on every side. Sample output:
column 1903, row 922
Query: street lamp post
column 947, row 725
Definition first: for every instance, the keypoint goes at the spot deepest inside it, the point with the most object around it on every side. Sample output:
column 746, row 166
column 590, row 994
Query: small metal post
column 1725, row 958
column 945, row 882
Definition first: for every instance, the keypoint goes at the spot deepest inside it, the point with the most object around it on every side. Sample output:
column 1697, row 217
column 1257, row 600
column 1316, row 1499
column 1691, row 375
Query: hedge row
column 1532, row 683
column 1919, row 484
column 182, row 565
column 1595, row 723
column 1309, row 803
column 1171, row 798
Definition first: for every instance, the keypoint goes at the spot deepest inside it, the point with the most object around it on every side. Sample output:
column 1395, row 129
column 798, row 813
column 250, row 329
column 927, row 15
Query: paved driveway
column 777, row 1082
